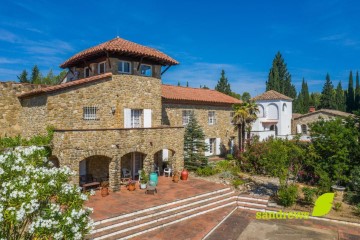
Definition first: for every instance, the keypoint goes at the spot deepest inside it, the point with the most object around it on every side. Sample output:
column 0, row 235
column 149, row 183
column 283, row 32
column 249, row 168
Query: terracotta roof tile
column 272, row 95
column 196, row 94
column 123, row 46
column 329, row 111
column 64, row 85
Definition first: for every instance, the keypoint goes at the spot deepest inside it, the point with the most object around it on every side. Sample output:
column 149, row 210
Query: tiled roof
column 272, row 95
column 196, row 94
column 296, row 115
column 119, row 45
column 329, row 111
column 64, row 85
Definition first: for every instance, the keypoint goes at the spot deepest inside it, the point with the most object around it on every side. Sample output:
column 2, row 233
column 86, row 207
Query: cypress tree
column 350, row 101
column 35, row 75
column 223, row 85
column 357, row 92
column 194, row 145
column 179, row 83
column 339, row 98
column 23, row 77
column 327, row 94
column 187, row 84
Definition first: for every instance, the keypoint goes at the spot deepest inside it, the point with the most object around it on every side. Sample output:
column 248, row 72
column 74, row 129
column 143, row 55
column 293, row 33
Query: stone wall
column 223, row 128
column 73, row 146
column 64, row 109
column 10, row 107
column 311, row 118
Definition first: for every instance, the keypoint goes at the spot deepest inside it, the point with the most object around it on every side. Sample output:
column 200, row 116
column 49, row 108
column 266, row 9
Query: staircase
column 251, row 202
column 136, row 223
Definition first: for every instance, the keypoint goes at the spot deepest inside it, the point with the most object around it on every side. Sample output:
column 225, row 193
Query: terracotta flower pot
column 184, row 174
column 104, row 191
column 176, row 178
column 131, row 187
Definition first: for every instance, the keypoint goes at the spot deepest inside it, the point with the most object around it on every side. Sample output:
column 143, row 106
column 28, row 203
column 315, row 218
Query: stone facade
column 10, row 107
column 223, row 128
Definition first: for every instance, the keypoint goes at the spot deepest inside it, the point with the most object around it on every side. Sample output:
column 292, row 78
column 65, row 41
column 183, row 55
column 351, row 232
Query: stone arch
column 94, row 168
column 133, row 161
column 272, row 111
column 163, row 158
column 261, row 112
column 54, row 160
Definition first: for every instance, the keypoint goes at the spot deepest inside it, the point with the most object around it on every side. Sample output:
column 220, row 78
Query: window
column 232, row 114
column 101, row 68
column 146, row 70
column 186, row 116
column 212, row 146
column 86, row 72
column 304, row 129
column 124, row 67
column 211, row 118
column 90, row 113
column 136, row 118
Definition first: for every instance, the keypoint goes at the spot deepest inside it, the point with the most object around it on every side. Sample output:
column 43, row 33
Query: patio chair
column 156, row 169
column 167, row 171
column 139, row 173
column 126, row 173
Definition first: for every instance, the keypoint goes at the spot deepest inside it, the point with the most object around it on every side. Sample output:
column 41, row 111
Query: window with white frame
column 211, row 118
column 89, row 113
column 212, row 146
column 232, row 114
column 186, row 114
column 124, row 67
column 136, row 115
column 101, row 68
column 86, row 72
column 146, row 70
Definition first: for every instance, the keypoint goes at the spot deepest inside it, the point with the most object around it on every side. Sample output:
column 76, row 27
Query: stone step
column 252, row 200
column 257, row 197
column 165, row 210
column 129, row 232
column 162, row 206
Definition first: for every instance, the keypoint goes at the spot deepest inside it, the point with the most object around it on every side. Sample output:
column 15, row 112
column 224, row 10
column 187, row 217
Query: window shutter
column 217, row 146
column 147, row 118
column 127, row 118
column 298, row 128
column 207, row 142
column 165, row 154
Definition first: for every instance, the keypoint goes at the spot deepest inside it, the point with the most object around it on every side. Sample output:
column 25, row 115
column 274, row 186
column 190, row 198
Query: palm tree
column 244, row 116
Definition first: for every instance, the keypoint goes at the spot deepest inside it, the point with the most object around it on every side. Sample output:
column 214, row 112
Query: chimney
column 311, row 109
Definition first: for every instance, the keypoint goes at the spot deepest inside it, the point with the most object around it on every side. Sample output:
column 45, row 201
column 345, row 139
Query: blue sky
column 241, row 37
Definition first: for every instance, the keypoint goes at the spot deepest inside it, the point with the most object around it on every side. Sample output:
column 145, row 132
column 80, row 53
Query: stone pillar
column 115, row 173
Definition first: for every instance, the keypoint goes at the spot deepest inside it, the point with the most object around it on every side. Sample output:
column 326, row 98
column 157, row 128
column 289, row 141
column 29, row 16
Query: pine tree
column 315, row 99
column 327, row 94
column 339, row 98
column 187, row 84
column 194, row 145
column 357, row 93
column 279, row 78
column 179, row 83
column 35, row 75
column 350, row 101
column 246, row 97
column 223, row 84
column 23, row 77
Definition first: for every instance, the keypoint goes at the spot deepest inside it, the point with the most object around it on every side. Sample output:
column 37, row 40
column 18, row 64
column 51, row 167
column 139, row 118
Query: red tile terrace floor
column 124, row 201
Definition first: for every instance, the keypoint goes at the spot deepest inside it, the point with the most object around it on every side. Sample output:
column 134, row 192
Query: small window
column 86, row 72
column 146, row 70
column 136, row 115
column 211, row 118
column 232, row 114
column 284, row 107
column 186, row 114
column 90, row 113
column 212, row 146
column 304, row 129
column 101, row 68
column 124, row 67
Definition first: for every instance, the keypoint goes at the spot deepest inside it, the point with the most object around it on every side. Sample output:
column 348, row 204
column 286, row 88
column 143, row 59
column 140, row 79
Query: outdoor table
column 151, row 189
column 92, row 184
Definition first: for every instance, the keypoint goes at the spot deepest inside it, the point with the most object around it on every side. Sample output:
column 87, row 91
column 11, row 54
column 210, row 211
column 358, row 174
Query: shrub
column 237, row 182
column 287, row 196
column 337, row 206
column 226, row 175
column 205, row 171
column 229, row 157
column 309, row 195
column 357, row 209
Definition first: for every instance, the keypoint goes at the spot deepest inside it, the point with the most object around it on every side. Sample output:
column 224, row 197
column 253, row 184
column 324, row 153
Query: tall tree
column 23, row 77
column 223, row 85
column 357, row 92
column 339, row 98
column 302, row 102
column 279, row 78
column 350, row 99
column 327, row 94
column 246, row 97
column 315, row 99
column 194, row 145
column 35, row 75
column 187, row 84
column 179, row 83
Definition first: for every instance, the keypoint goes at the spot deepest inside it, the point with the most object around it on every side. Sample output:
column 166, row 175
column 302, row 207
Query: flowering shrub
column 37, row 200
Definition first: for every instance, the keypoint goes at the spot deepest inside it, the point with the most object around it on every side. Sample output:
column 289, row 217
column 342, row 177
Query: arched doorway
column 274, row 128
column 132, row 163
column 163, row 159
column 54, row 161
column 94, row 169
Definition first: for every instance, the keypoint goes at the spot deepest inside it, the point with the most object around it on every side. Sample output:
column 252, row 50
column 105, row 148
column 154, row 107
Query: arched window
column 304, row 129
column 261, row 112
column 284, row 108
column 272, row 111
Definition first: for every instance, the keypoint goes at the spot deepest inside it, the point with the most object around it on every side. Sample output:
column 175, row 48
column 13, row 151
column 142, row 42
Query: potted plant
column 176, row 177
column 143, row 179
column 131, row 185
column 104, row 188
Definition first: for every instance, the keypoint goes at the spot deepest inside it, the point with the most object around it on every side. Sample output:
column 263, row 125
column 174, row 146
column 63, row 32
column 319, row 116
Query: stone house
column 274, row 116
column 112, row 112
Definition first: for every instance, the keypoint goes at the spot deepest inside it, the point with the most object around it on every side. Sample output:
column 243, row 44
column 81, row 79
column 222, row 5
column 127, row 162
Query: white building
column 274, row 117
